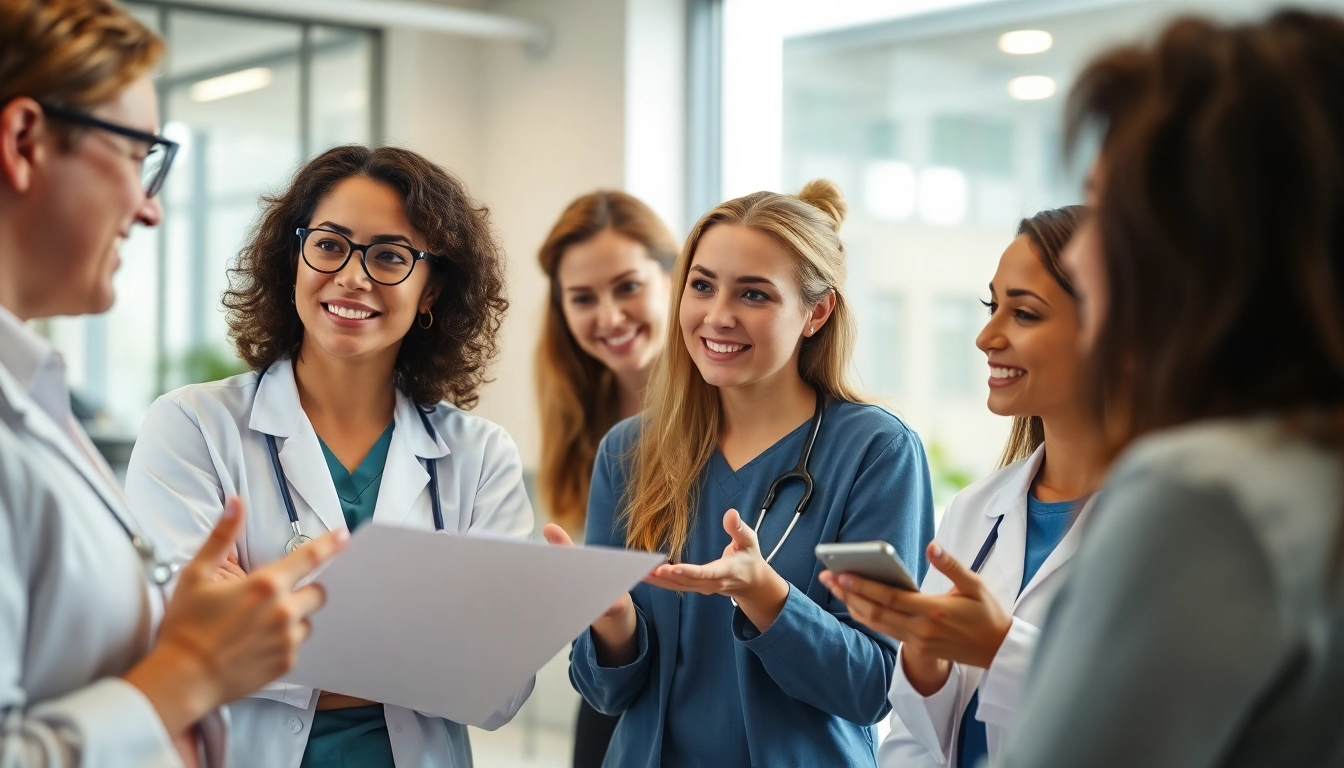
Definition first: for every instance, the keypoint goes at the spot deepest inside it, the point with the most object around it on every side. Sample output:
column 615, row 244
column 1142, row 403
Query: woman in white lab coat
column 357, row 350
column 1004, row 543
column 95, row 669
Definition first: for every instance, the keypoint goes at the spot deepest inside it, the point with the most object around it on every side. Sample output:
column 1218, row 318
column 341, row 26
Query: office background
column 941, row 132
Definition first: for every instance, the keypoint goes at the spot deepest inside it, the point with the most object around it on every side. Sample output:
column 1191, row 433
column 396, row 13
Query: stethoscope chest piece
column 296, row 541
column 157, row 571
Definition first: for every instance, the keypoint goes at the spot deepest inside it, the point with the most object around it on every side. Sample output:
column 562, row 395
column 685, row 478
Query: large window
column 942, row 134
column 249, row 99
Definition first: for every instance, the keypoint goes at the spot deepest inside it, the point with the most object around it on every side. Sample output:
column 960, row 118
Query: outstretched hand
column 740, row 573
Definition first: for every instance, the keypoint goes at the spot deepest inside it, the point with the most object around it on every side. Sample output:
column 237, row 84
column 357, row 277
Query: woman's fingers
column 294, row 567
column 222, row 542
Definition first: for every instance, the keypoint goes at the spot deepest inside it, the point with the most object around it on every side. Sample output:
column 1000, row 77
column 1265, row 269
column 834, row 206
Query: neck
column 769, row 408
column 1073, row 466
column 352, row 393
column 630, row 388
column 11, row 286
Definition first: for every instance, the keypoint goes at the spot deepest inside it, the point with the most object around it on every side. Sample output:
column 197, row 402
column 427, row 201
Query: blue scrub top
column 707, row 688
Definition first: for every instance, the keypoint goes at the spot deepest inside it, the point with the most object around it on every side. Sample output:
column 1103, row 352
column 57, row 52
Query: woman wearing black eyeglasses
column 97, row 667
column 367, row 302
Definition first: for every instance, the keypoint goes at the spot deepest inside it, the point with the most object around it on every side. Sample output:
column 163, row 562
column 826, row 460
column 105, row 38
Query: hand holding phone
column 874, row 560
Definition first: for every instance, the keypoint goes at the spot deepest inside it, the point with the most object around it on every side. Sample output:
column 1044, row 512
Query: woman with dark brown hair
column 608, row 260
column 1204, row 622
column 1004, row 544
column 367, row 300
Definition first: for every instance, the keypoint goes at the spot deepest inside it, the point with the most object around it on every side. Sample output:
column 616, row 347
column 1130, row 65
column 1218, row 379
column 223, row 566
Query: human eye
column 992, row 306
column 752, row 294
column 581, row 299
column 1026, row 315
column 630, row 286
column 701, row 286
column 391, row 255
column 329, row 244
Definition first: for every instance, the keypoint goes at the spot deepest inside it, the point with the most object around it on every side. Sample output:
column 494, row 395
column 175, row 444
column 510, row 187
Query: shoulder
column 206, row 404
column 620, row 439
column 463, row 428
column 235, row 393
column 870, row 430
column 1254, row 473
column 986, row 488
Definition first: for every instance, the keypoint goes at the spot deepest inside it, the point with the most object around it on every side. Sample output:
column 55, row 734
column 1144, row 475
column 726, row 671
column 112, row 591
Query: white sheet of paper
column 454, row 625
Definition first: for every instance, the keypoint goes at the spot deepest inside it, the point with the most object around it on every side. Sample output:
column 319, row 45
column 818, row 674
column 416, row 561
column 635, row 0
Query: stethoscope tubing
column 800, row 473
column 431, row 466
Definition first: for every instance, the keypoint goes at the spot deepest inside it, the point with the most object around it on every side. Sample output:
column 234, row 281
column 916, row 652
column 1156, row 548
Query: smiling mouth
column 349, row 313
column 623, row 339
column 724, row 349
column 996, row 372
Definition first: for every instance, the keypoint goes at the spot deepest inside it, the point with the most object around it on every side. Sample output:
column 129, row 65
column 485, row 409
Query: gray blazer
column 1199, row 627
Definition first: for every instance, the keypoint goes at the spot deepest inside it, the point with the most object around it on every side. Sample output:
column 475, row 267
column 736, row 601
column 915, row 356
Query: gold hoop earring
column 421, row 320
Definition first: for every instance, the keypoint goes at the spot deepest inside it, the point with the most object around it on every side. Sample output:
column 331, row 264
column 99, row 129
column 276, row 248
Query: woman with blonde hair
column 98, row 667
column 734, row 653
column 607, row 260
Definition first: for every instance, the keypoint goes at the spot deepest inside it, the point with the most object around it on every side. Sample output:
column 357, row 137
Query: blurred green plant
column 206, row 363
column 948, row 479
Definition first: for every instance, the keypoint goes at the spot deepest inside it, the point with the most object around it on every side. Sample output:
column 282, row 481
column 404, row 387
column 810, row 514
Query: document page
column 454, row 625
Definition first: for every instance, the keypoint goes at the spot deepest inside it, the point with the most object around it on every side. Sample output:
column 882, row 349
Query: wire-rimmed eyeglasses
column 157, row 160
column 385, row 263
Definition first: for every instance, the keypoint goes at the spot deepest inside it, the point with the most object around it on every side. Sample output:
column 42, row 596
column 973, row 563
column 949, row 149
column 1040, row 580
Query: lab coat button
column 295, row 724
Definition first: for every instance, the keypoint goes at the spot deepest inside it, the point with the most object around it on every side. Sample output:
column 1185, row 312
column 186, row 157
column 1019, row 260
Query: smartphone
column 875, row 560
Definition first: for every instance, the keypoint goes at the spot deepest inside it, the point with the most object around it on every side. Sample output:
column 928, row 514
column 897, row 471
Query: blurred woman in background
column 608, row 261
column 1203, row 624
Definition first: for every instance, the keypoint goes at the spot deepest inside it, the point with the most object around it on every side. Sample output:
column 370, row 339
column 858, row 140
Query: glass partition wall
column 249, row 99
column 943, row 129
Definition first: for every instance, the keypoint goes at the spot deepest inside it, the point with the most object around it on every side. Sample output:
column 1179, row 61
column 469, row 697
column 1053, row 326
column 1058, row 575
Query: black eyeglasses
column 156, row 162
column 384, row 263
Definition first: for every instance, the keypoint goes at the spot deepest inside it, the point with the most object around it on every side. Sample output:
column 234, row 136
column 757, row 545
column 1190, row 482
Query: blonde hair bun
column 825, row 195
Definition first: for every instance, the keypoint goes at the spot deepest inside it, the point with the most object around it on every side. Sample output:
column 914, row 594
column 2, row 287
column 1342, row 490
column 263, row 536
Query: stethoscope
column 299, row 539
column 799, row 472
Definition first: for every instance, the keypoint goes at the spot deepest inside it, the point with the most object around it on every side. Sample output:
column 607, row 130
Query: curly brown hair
column 447, row 361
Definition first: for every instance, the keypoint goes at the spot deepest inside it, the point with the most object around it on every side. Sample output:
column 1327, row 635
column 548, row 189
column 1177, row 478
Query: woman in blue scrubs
column 733, row 653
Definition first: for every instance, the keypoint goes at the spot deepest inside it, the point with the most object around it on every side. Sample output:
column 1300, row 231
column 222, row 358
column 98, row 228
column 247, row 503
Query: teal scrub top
column 355, row 737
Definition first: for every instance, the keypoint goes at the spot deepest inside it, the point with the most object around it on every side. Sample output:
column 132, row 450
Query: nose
column 991, row 336
column 720, row 312
column 609, row 314
column 352, row 276
column 150, row 212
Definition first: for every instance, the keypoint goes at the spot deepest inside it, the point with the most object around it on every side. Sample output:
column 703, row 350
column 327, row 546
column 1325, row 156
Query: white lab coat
column 203, row 443
column 76, row 610
column 924, row 730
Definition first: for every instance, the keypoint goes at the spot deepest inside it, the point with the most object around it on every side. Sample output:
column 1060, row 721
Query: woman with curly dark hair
column 368, row 301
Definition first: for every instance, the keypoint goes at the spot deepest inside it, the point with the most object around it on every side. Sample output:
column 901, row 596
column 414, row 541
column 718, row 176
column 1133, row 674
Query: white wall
column 530, row 131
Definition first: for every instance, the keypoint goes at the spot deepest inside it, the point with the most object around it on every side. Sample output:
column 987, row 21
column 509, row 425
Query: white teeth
column 714, row 346
column 616, row 341
column 347, row 313
column 1005, row 373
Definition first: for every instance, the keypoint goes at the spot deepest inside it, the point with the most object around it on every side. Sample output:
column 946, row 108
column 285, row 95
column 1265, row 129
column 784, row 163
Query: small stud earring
column 811, row 329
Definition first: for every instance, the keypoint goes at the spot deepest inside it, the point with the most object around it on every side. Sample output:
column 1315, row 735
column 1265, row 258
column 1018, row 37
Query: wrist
column 926, row 674
column 177, row 685
column 764, row 600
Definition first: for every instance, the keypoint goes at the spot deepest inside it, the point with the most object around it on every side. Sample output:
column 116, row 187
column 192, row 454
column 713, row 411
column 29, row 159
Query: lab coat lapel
column 278, row 412
column 90, row 465
column 1006, row 561
column 1063, row 551
column 404, row 475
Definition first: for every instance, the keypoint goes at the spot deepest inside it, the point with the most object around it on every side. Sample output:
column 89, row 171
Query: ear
column 820, row 314
column 22, row 125
column 431, row 295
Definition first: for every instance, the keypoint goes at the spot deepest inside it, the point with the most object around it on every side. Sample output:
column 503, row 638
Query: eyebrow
column 333, row 226
column 743, row 280
column 613, row 280
column 1013, row 293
